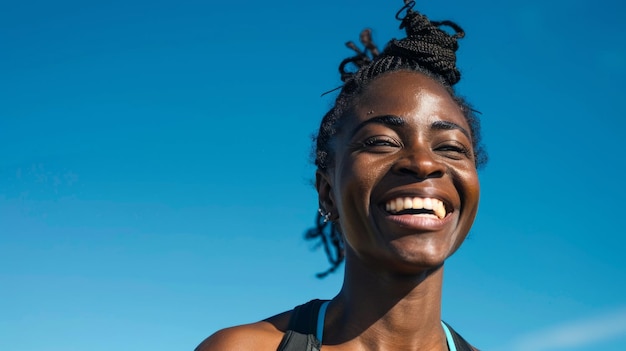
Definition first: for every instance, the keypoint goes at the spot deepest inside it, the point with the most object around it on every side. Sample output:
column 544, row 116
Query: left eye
column 453, row 150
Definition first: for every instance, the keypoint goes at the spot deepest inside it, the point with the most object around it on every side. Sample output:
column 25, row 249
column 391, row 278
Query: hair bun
column 427, row 46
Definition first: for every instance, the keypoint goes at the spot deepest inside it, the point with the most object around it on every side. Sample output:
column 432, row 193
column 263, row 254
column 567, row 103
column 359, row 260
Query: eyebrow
column 447, row 125
column 387, row 120
column 394, row 121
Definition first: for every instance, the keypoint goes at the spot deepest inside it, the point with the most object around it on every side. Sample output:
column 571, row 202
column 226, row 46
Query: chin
column 412, row 262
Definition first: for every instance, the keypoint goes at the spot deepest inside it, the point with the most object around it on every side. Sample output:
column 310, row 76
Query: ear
column 325, row 194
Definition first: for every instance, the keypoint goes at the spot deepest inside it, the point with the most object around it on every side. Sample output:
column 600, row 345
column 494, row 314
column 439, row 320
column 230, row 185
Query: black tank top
column 302, row 329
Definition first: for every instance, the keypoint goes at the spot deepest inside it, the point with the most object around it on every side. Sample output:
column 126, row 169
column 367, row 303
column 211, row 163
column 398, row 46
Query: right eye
column 380, row 142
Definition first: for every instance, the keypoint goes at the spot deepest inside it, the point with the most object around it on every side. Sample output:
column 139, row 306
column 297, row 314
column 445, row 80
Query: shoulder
column 264, row 335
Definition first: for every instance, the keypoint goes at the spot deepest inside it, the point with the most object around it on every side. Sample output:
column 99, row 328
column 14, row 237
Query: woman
column 398, row 192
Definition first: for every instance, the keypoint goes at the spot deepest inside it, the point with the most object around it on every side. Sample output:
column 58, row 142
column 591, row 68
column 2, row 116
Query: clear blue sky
column 155, row 184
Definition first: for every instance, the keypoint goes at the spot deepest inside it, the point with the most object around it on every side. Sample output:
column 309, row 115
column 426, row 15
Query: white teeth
column 428, row 204
column 408, row 203
column 439, row 210
column 399, row 204
column 417, row 203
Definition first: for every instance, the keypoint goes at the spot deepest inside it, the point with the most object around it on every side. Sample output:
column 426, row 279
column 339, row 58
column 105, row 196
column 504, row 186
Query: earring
column 326, row 215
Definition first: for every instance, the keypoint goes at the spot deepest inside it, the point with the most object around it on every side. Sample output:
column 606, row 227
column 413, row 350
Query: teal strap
column 320, row 321
column 449, row 339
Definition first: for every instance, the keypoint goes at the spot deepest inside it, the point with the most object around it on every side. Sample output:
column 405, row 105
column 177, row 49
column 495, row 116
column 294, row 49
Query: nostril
column 422, row 175
column 436, row 174
column 421, row 166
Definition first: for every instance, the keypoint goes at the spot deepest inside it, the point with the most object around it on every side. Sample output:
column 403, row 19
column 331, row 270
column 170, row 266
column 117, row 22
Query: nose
column 421, row 163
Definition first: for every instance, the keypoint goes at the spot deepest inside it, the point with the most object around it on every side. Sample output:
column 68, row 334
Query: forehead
column 409, row 95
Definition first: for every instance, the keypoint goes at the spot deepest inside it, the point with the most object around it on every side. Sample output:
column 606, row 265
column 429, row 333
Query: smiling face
column 403, row 184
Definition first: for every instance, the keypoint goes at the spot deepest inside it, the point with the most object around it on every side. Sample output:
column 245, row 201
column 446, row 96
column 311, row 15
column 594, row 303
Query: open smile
column 417, row 206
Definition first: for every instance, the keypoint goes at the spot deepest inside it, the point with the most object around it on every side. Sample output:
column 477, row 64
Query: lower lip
column 418, row 223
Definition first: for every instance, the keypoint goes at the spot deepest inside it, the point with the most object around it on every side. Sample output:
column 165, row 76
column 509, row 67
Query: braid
column 330, row 237
column 426, row 49
column 361, row 59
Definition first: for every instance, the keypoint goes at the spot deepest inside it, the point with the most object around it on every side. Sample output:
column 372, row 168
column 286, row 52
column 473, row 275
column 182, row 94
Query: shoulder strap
column 304, row 317
column 459, row 342
column 300, row 335
column 294, row 341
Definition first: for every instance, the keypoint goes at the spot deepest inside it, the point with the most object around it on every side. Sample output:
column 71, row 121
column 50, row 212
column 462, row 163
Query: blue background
column 155, row 181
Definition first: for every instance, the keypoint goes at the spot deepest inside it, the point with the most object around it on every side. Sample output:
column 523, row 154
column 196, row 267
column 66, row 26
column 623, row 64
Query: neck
column 380, row 310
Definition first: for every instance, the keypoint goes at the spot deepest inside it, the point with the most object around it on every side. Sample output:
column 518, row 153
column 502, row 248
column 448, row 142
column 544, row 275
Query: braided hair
column 427, row 49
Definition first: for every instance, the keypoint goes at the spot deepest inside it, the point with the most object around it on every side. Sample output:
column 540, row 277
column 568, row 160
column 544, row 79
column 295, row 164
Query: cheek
column 471, row 195
column 357, row 177
column 467, row 184
column 474, row 188
column 352, row 188
column 360, row 175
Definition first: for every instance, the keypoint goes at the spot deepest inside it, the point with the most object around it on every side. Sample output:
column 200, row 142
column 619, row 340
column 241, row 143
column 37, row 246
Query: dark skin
column 404, row 138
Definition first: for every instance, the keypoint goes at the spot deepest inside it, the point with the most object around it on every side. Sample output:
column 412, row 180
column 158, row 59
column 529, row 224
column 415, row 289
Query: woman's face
column 403, row 184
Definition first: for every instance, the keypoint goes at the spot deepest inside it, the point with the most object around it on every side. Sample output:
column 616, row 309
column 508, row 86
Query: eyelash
column 385, row 141
column 455, row 148
column 379, row 141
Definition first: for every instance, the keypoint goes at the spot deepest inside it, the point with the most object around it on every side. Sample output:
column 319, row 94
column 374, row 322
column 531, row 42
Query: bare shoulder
column 261, row 336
